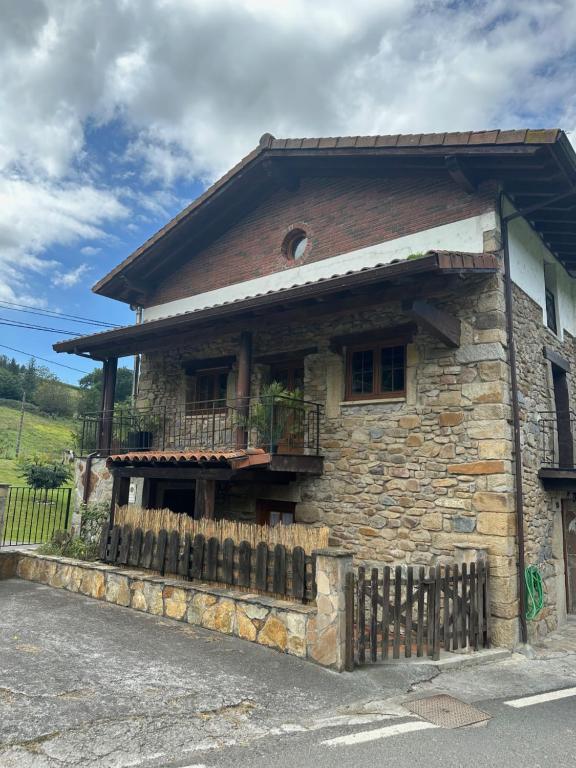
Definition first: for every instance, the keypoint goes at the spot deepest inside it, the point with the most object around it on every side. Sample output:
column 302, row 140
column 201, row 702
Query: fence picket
column 147, row 550
column 135, row 547
column 114, row 544
column 480, row 592
column 420, row 614
column 172, row 552
column 228, row 561
column 298, row 572
column 446, row 615
column 103, row 549
column 473, row 613
column 198, row 548
column 262, row 566
column 455, row 610
column 409, row 603
column 279, row 572
column 244, row 563
column 437, row 597
column 211, row 560
column 373, row 614
column 397, row 610
column 385, row 611
column 184, row 559
column 124, row 548
column 430, row 612
column 464, row 608
column 361, row 615
column 159, row 557
column 349, row 635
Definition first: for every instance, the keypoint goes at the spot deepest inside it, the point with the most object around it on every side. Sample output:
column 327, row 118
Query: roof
column 239, row 459
column 134, row 338
column 519, row 159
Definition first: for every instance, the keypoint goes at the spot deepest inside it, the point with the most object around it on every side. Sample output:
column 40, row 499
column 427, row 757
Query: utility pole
column 19, row 438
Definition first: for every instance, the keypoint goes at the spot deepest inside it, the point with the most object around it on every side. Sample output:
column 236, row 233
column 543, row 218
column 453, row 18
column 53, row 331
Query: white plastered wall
column 528, row 255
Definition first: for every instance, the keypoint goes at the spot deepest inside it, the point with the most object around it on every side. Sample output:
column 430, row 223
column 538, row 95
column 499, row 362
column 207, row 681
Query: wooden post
column 205, row 498
column 110, row 367
column 243, row 384
column 114, row 497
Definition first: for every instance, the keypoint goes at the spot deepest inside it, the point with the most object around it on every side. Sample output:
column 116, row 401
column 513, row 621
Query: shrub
column 44, row 474
column 85, row 546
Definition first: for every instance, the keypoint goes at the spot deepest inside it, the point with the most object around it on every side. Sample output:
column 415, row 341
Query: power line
column 63, row 316
column 44, row 359
column 29, row 327
column 41, row 313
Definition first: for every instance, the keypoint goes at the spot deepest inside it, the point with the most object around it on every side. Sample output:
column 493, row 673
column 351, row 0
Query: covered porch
column 203, row 418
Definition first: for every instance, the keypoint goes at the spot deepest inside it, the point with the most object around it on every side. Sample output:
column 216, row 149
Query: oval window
column 295, row 245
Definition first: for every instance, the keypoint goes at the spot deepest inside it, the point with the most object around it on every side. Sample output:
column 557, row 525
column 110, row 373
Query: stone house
column 414, row 296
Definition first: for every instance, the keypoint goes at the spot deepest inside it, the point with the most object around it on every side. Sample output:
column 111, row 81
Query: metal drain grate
column 446, row 711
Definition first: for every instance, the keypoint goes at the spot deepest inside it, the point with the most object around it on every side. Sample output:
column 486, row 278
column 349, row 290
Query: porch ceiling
column 351, row 286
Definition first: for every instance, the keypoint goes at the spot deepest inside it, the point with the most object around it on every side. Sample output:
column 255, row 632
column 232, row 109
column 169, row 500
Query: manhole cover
column 446, row 711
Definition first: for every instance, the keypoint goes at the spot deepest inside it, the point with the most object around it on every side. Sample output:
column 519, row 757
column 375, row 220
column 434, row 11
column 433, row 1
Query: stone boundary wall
column 312, row 632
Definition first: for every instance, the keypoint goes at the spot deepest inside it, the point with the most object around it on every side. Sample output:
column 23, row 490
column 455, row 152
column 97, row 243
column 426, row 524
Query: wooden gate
column 405, row 611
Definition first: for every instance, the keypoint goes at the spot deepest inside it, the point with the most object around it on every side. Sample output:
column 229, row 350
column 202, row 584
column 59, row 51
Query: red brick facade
column 340, row 215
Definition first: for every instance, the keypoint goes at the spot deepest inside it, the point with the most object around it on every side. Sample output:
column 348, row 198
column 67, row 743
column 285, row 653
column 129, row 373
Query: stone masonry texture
column 313, row 632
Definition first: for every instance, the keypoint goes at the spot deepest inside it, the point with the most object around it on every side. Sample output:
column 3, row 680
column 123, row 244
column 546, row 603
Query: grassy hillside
column 41, row 435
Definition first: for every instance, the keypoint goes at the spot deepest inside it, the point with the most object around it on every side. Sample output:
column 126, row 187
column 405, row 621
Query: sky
column 115, row 114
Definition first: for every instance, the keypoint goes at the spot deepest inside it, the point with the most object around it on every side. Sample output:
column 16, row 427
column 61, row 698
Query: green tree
column 55, row 398
column 44, row 474
column 10, row 386
column 91, row 389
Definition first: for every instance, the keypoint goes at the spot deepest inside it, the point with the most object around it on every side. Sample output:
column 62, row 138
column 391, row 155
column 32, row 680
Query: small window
column 550, row 292
column 295, row 244
column 207, row 391
column 376, row 372
column 290, row 375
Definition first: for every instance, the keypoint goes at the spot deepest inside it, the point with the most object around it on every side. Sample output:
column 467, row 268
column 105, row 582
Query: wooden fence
column 274, row 570
column 404, row 611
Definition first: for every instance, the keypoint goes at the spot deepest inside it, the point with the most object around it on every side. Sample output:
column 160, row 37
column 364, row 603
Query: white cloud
column 193, row 84
column 38, row 214
column 70, row 278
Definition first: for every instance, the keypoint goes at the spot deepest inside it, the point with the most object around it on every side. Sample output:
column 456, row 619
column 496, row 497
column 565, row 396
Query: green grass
column 41, row 435
column 34, row 515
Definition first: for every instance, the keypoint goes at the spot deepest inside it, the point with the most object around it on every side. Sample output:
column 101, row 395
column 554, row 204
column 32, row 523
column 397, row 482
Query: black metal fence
column 557, row 430
column 399, row 612
column 275, row 570
column 278, row 425
column 33, row 515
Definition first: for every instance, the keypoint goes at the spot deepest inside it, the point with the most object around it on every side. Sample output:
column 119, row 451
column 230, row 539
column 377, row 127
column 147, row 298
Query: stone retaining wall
column 313, row 632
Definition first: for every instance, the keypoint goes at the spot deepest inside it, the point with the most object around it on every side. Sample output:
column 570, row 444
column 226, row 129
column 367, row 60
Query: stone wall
column 542, row 509
column 313, row 632
column 404, row 481
column 100, row 480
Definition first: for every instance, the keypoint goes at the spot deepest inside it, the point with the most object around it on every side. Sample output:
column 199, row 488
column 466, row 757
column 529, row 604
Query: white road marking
column 378, row 733
column 541, row 698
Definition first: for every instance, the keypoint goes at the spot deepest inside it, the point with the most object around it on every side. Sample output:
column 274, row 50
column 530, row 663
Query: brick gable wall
column 340, row 214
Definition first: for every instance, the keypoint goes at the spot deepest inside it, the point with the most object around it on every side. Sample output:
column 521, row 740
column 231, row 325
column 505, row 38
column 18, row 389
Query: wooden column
column 110, row 367
column 205, row 498
column 243, row 384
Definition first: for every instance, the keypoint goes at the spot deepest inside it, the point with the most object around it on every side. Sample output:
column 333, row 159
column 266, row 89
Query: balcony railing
column 557, row 430
column 279, row 424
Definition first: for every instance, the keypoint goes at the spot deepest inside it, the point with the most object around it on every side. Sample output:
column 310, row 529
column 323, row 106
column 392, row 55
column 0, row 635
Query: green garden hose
column 534, row 592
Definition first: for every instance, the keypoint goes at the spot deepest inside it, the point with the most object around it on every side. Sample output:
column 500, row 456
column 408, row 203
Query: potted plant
column 273, row 417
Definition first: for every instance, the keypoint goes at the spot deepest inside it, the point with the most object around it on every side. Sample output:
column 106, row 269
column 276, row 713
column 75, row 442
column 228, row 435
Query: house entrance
column 569, row 526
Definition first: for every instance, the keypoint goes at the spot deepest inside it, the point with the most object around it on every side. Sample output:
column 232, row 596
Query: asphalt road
column 85, row 683
column 539, row 737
